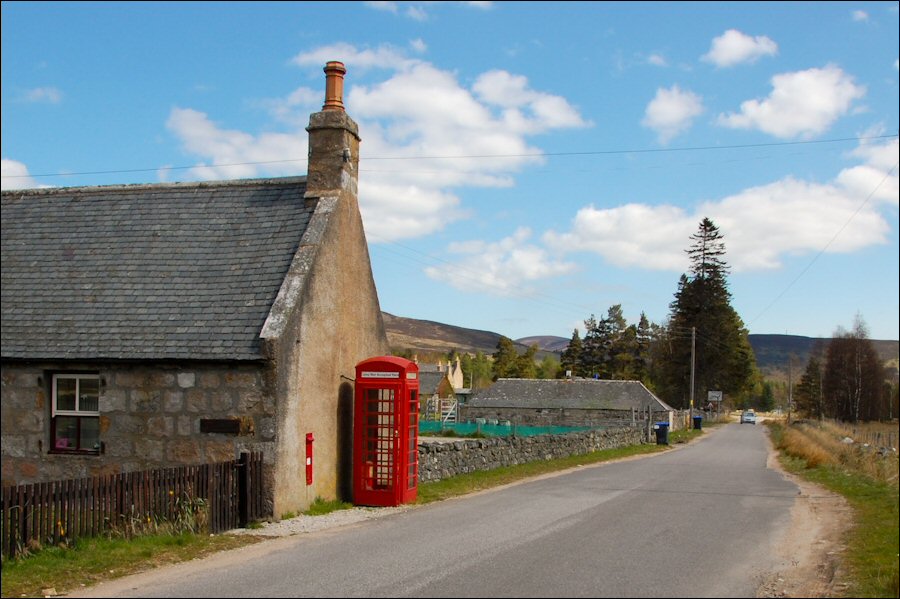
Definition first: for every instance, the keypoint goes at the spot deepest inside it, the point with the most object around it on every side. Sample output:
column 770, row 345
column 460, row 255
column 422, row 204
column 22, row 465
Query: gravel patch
column 307, row 524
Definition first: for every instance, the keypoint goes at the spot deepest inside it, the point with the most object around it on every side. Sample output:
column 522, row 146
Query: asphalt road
column 700, row 521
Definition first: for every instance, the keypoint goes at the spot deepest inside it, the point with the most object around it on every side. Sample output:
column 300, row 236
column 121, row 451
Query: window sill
column 81, row 452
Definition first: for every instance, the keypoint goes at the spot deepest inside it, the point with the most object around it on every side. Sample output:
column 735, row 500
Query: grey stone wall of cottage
column 440, row 460
column 150, row 417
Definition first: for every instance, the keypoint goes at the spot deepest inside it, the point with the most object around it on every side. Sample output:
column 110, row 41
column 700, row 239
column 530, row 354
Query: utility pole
column 790, row 385
column 693, row 348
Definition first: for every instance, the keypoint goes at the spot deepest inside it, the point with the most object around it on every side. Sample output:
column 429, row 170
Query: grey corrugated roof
column 168, row 271
column 588, row 394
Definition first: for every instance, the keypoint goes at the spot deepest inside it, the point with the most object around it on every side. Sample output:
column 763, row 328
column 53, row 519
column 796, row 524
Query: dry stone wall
column 440, row 460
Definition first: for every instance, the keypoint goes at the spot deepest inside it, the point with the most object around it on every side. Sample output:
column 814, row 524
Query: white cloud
column 672, row 112
column 629, row 236
column 860, row 15
column 418, row 45
column 424, row 135
column 802, row 103
column 295, row 108
column 416, row 10
column 733, row 47
column 14, row 175
column 41, row 95
column 382, row 57
column 760, row 225
column 502, row 268
column 658, row 60
column 235, row 154
column 525, row 110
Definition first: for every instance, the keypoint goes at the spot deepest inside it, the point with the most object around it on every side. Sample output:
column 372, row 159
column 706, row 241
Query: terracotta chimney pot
column 334, row 86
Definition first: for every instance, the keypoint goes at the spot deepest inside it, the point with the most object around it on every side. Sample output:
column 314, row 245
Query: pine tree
column 505, row 359
column 808, row 399
column 525, row 366
column 571, row 357
column 723, row 359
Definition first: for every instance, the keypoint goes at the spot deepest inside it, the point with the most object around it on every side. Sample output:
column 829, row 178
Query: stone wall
column 563, row 416
column 150, row 417
column 439, row 460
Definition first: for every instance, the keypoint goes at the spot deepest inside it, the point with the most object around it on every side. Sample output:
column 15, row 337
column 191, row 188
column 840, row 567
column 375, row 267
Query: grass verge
column 873, row 547
column 89, row 561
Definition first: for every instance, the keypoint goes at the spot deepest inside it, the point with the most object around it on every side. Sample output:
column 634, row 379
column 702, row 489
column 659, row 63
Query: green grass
column 320, row 507
column 873, row 547
column 90, row 561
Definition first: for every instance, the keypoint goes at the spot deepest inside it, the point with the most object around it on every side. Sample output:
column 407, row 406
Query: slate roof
column 167, row 271
column 586, row 394
column 430, row 381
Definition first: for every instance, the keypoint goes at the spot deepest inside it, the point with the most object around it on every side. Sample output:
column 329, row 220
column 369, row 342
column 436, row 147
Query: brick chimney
column 333, row 141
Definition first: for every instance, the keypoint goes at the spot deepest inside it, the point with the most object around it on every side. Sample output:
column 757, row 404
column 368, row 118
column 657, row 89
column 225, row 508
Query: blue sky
column 523, row 165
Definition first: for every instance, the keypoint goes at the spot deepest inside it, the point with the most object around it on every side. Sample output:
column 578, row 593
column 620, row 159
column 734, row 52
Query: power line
column 827, row 245
column 478, row 156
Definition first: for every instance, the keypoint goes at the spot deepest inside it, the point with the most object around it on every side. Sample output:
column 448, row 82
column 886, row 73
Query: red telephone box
column 386, row 432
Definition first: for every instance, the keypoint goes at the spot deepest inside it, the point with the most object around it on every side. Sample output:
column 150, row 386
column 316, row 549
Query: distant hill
column 429, row 336
column 772, row 351
column 426, row 336
column 549, row 343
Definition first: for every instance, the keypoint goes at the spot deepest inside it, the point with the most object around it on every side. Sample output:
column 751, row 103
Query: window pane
column 65, row 394
column 90, row 434
column 66, row 432
column 88, row 394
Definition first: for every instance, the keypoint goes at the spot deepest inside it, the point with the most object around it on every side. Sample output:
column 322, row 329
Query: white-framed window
column 75, row 413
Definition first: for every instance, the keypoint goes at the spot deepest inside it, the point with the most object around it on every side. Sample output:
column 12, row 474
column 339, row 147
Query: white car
column 748, row 417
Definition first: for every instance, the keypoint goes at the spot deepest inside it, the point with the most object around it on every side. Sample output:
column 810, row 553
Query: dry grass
column 797, row 442
column 824, row 443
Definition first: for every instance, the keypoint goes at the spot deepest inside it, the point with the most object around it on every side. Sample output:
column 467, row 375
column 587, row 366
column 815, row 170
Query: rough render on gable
column 326, row 321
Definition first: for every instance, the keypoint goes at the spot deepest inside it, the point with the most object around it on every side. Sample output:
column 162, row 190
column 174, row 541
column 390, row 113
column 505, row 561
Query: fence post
column 243, row 465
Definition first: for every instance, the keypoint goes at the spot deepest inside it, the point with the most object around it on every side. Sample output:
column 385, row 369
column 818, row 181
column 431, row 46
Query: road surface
column 700, row 521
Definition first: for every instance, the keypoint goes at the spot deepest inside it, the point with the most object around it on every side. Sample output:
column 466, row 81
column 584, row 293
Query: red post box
column 309, row 458
column 386, row 432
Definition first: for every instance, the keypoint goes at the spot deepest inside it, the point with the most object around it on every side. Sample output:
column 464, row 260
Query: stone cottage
column 567, row 402
column 169, row 324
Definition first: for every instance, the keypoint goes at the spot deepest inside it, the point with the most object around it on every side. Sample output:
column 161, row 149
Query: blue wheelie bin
column 698, row 423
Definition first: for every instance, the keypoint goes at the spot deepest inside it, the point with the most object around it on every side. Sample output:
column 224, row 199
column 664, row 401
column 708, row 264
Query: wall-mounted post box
column 386, row 432
column 309, row 458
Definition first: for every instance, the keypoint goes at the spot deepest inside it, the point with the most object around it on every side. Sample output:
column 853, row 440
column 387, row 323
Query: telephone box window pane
column 88, row 394
column 65, row 394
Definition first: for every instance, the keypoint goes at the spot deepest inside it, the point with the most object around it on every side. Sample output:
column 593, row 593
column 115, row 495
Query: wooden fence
column 214, row 497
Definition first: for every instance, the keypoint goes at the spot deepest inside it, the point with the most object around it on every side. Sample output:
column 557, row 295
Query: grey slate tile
column 129, row 271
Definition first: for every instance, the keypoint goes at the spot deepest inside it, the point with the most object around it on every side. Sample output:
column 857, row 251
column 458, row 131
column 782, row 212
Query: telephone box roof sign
column 377, row 367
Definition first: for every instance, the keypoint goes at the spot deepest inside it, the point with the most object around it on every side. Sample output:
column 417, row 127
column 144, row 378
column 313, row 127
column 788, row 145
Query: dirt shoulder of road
column 811, row 550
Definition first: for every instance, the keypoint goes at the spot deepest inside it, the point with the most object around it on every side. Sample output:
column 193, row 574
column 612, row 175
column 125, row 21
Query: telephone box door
column 385, row 435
